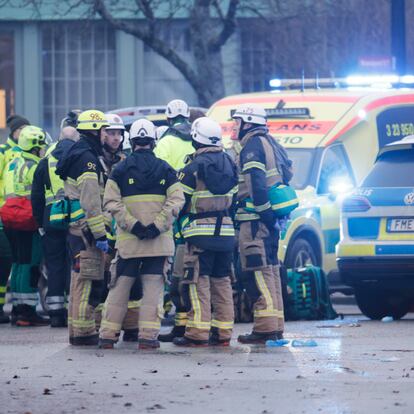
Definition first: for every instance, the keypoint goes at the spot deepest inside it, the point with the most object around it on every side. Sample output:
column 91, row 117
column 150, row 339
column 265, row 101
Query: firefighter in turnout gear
column 48, row 189
column 175, row 143
column 144, row 197
column 7, row 152
column 263, row 163
column 80, row 169
column 21, row 227
column 209, row 183
column 112, row 141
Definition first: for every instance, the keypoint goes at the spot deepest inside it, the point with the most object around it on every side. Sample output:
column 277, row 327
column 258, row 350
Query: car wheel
column 300, row 254
column 399, row 305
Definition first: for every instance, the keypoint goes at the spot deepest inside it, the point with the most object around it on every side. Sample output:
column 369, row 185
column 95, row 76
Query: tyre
column 375, row 303
column 300, row 254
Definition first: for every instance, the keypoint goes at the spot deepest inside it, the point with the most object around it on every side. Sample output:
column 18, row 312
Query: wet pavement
column 359, row 366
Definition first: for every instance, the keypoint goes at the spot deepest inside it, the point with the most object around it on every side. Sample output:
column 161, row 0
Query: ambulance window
column 393, row 169
column 335, row 170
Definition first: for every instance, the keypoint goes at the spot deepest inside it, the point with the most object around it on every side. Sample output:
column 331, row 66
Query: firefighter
column 260, row 169
column 175, row 144
column 7, row 152
column 144, row 197
column 112, row 141
column 209, row 183
column 47, row 189
column 21, row 227
column 83, row 177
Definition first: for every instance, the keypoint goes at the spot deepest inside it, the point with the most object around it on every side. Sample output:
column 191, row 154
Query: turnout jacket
column 263, row 163
column 144, row 189
column 209, row 183
column 80, row 169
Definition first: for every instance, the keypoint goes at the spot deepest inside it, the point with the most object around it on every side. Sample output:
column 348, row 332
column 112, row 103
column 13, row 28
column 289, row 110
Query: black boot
column 130, row 335
column 89, row 340
column 257, row 337
column 177, row 332
column 58, row 320
column 3, row 317
column 191, row 343
column 148, row 344
column 214, row 339
column 28, row 317
column 106, row 343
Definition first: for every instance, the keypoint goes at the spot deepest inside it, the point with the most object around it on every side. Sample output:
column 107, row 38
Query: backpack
column 17, row 214
column 307, row 295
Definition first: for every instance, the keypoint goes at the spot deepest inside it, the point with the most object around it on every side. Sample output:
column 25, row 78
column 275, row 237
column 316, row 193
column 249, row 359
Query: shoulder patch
column 250, row 155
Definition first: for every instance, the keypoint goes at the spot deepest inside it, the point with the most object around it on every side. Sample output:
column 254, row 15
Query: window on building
column 258, row 57
column 7, row 92
column 79, row 69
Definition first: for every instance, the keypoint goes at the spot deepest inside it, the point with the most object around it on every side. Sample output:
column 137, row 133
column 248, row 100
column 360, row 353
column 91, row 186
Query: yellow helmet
column 92, row 120
column 32, row 137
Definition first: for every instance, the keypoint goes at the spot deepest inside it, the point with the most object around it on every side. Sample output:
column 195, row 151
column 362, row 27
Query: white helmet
column 160, row 131
column 251, row 113
column 142, row 128
column 115, row 122
column 206, row 131
column 177, row 107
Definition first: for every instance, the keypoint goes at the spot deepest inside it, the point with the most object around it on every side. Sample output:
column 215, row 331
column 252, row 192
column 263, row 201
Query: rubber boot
column 89, row 340
column 214, row 339
column 3, row 317
column 191, row 343
column 257, row 337
column 106, row 343
column 148, row 344
column 177, row 332
column 130, row 335
column 29, row 317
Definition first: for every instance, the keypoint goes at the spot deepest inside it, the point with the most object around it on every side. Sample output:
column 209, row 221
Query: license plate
column 401, row 225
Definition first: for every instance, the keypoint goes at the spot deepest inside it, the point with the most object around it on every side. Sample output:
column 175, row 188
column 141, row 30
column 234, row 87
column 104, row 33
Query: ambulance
column 333, row 136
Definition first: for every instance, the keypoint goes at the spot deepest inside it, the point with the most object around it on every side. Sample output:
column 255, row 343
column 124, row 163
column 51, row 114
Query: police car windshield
column 302, row 163
column 393, row 169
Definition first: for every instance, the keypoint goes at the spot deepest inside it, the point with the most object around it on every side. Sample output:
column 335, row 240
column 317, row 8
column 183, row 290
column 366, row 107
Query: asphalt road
column 359, row 366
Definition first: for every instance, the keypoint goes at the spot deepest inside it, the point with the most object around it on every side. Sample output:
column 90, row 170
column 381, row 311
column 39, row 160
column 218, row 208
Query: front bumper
column 389, row 272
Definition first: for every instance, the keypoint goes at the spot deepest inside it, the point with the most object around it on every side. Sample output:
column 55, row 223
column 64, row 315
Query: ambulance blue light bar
column 288, row 112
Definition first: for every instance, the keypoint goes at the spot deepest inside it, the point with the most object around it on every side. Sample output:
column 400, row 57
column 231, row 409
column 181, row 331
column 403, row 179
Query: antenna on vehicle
column 302, row 89
column 317, row 80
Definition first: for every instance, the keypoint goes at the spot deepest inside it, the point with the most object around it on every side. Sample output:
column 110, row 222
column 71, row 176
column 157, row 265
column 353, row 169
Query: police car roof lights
column 355, row 204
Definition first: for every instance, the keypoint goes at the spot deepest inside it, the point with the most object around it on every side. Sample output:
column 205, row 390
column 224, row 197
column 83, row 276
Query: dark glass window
column 79, row 70
column 393, row 169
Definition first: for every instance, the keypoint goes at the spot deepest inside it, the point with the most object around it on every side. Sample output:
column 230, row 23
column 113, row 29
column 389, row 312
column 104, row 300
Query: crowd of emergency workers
column 113, row 231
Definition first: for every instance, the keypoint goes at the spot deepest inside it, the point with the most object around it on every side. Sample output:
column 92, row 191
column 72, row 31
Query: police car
column 332, row 136
column 376, row 251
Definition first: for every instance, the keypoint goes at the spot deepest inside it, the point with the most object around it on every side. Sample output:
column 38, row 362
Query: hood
column 62, row 147
column 147, row 168
column 182, row 131
column 218, row 171
column 71, row 153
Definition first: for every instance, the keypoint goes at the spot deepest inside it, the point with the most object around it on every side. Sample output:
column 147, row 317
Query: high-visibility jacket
column 18, row 177
column 56, row 190
column 175, row 146
column 8, row 151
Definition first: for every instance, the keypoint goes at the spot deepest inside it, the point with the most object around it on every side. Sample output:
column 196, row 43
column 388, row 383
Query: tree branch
column 151, row 41
column 229, row 25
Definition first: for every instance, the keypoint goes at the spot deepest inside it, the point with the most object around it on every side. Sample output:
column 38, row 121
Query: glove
column 102, row 245
column 268, row 218
column 152, row 232
column 139, row 230
column 41, row 231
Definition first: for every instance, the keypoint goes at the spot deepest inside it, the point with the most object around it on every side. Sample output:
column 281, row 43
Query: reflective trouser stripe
column 261, row 284
column 180, row 319
column 55, row 302
column 222, row 324
column 3, row 290
column 111, row 325
column 134, row 304
column 149, row 325
column 196, row 322
column 24, row 299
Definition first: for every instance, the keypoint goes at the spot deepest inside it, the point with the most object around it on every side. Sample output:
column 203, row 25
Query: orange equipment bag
column 17, row 214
